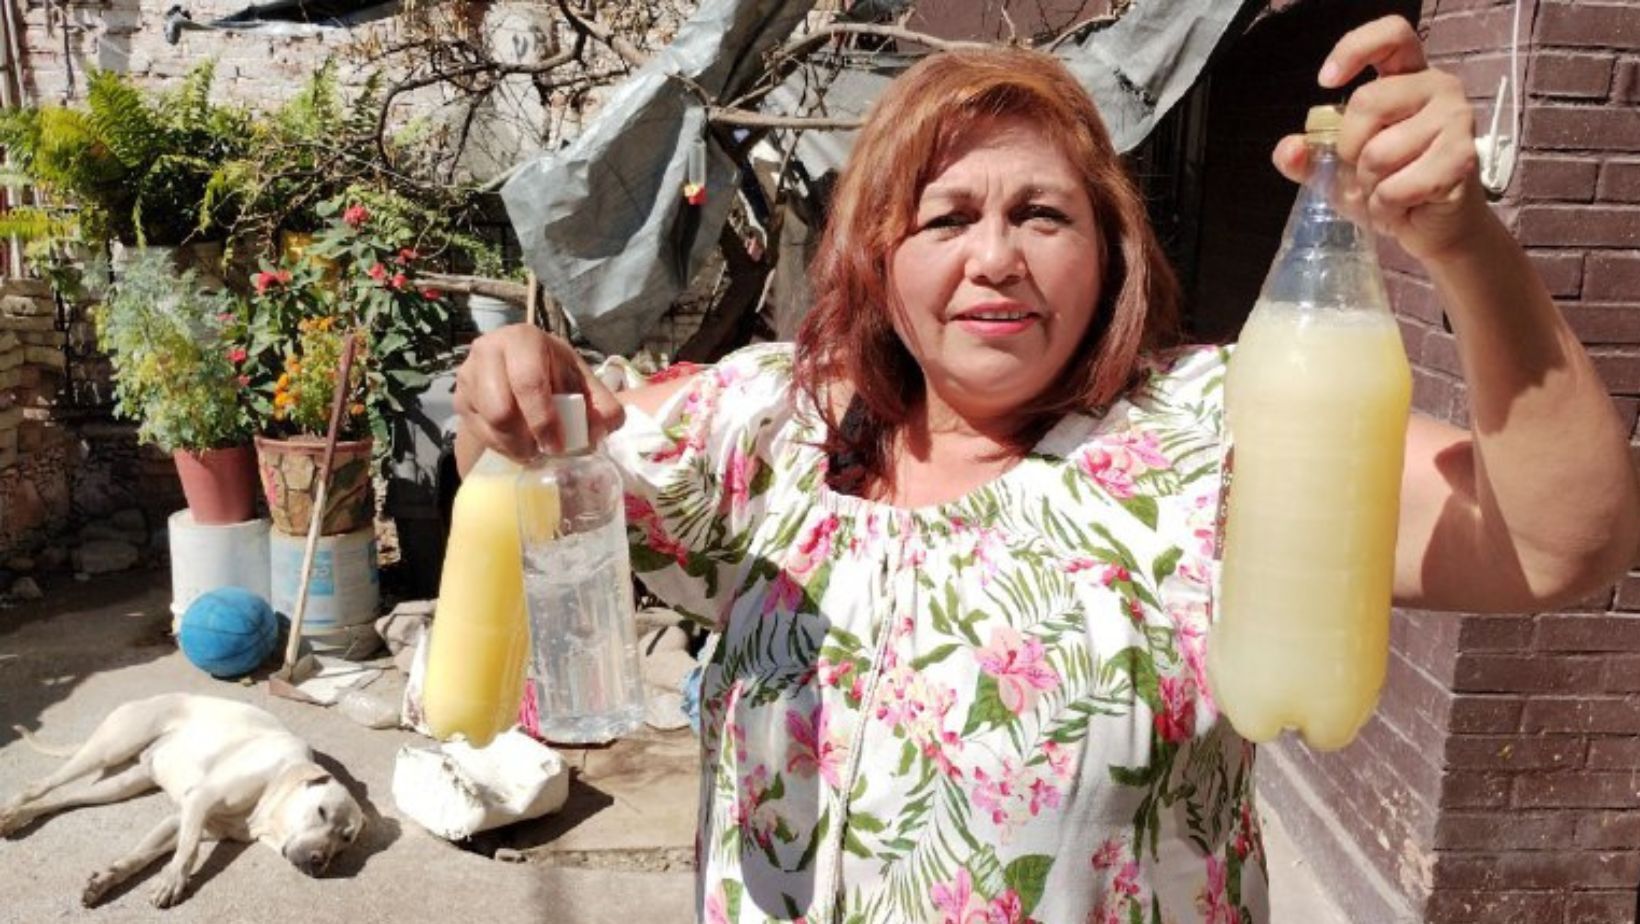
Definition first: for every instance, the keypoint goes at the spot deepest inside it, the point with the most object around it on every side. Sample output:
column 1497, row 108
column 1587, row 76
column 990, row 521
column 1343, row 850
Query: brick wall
column 1500, row 779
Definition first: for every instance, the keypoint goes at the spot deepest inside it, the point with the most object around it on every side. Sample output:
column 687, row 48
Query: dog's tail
column 43, row 748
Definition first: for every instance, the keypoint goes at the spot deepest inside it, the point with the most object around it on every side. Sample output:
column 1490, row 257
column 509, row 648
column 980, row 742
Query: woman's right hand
column 504, row 392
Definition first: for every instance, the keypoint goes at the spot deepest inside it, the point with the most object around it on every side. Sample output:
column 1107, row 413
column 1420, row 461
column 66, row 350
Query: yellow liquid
column 1316, row 404
column 475, row 663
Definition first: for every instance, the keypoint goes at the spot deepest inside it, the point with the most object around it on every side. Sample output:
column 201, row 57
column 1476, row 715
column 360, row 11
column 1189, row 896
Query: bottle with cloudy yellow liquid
column 477, row 654
column 1317, row 397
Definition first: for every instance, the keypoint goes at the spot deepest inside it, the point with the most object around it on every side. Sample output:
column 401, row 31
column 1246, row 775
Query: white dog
column 234, row 772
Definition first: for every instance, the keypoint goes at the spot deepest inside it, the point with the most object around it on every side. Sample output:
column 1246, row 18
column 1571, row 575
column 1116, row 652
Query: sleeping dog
column 234, row 772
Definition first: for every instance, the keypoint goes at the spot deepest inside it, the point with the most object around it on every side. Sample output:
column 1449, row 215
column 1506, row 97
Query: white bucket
column 205, row 558
column 345, row 586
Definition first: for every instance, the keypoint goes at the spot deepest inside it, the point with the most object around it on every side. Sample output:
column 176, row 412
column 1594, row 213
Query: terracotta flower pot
column 289, row 472
column 218, row 484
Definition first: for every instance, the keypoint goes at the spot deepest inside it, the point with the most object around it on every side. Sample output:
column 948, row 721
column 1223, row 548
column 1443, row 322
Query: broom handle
column 316, row 518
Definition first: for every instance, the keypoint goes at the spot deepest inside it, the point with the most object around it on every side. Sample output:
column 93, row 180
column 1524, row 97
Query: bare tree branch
column 720, row 115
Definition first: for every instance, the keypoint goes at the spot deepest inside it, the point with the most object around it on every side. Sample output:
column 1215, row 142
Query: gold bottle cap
column 1322, row 122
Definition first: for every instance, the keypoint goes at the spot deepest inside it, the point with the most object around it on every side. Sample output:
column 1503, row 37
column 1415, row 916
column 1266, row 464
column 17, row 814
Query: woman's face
column 1000, row 276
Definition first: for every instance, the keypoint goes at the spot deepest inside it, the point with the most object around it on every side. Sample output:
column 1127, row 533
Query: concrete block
column 24, row 306
column 45, row 338
column 17, row 323
column 49, row 357
column 31, row 288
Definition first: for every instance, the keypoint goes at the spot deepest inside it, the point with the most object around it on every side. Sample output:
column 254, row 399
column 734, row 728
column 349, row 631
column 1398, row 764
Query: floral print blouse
column 986, row 712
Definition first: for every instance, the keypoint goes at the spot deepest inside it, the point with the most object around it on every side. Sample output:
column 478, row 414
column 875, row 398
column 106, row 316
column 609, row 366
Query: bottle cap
column 1322, row 122
column 572, row 420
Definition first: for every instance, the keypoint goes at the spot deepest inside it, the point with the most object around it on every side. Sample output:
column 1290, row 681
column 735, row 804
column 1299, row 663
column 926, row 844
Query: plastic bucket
column 345, row 587
column 204, row 558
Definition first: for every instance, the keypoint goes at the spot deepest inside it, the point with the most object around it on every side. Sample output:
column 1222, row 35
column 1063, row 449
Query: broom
column 283, row 681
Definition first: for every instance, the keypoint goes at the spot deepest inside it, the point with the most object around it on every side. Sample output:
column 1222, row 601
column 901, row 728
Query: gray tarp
column 604, row 224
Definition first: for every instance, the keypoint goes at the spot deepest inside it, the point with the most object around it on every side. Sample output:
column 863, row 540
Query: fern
column 123, row 120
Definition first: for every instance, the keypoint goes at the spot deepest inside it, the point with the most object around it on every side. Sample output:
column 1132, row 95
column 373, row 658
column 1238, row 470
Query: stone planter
column 289, row 472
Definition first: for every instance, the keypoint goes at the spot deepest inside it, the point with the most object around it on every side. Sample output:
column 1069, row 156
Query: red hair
column 911, row 135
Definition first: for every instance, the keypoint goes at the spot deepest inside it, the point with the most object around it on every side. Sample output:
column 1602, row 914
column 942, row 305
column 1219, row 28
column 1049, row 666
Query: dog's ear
column 315, row 775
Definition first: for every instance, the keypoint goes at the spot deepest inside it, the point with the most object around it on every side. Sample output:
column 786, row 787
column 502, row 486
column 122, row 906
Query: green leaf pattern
column 991, row 710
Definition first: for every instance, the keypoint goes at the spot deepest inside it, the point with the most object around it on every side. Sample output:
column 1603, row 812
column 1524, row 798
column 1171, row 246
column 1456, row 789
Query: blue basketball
column 228, row 632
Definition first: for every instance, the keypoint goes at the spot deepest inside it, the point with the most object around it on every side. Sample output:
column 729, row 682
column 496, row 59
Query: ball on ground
column 228, row 632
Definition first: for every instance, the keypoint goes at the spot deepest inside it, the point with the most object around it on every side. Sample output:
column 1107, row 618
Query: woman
column 958, row 538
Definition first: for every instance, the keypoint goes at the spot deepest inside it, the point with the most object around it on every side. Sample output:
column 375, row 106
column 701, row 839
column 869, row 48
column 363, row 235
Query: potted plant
column 178, row 374
column 293, row 328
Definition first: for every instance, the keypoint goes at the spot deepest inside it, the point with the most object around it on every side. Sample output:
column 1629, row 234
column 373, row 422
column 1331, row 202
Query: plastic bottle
column 578, row 588
column 1317, row 398
column 475, row 660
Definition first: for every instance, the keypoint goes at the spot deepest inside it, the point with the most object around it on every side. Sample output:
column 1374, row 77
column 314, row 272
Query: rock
column 510, row 855
column 20, row 563
column 53, row 557
column 24, row 588
column 92, row 532
column 665, row 670
column 664, row 711
column 102, row 556
column 666, row 638
column 129, row 520
column 655, row 617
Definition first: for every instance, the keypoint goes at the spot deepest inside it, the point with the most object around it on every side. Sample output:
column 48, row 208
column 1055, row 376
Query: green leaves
column 987, row 710
column 1027, row 876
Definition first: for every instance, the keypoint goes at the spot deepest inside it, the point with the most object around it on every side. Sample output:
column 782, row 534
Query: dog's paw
column 12, row 820
column 97, row 886
column 168, row 890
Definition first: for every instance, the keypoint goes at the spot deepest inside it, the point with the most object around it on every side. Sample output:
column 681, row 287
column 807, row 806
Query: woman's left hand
column 1410, row 134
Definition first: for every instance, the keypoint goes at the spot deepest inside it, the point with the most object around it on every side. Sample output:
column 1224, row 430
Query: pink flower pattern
column 1018, row 665
column 971, row 647
column 1116, row 461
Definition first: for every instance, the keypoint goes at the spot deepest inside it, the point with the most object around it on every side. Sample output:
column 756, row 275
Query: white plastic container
column 345, row 586
column 206, row 558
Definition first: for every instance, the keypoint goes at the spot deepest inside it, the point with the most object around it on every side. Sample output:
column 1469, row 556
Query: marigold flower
column 283, row 383
column 283, row 399
column 356, row 408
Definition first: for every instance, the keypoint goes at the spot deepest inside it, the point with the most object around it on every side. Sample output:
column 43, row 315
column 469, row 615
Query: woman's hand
column 504, row 392
column 1410, row 134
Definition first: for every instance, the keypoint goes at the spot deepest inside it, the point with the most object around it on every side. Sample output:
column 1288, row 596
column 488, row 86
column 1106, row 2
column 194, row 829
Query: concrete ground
column 618, row 853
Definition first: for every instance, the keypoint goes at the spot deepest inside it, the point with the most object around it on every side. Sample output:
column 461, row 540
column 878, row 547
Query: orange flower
column 284, row 381
column 355, row 409
column 283, row 399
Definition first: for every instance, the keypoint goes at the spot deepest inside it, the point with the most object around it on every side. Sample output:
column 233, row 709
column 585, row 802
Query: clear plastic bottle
column 578, row 587
column 1317, row 398
column 475, row 658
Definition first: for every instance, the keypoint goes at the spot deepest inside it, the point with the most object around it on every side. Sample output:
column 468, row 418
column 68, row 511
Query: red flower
column 267, row 280
column 378, row 272
column 431, row 295
column 244, row 380
column 408, row 254
column 237, row 355
column 399, row 281
column 356, row 216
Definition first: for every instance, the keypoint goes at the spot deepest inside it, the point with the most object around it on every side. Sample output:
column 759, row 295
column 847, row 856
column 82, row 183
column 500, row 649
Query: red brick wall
column 1500, row 779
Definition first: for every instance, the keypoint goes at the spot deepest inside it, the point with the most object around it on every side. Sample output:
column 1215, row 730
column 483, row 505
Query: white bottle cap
column 572, row 421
